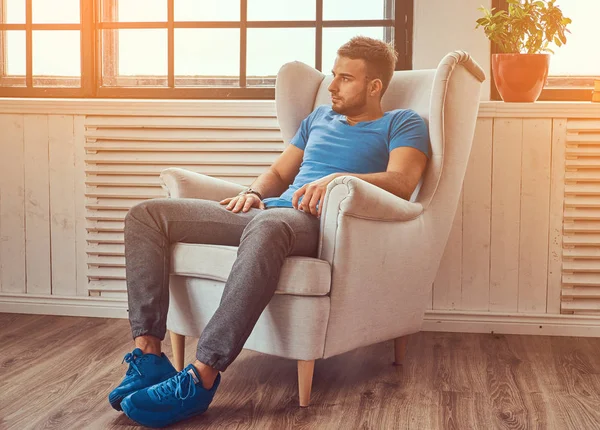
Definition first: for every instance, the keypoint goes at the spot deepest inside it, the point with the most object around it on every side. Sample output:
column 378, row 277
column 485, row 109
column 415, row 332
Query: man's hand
column 243, row 203
column 313, row 193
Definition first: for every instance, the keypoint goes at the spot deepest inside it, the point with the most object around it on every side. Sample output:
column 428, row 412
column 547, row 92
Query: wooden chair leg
column 178, row 347
column 305, row 376
column 400, row 349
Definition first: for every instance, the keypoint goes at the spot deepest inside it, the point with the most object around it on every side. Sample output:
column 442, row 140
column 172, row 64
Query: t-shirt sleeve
column 409, row 129
column 301, row 137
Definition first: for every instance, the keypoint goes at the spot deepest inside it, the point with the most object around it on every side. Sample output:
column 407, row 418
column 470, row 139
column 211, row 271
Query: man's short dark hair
column 380, row 57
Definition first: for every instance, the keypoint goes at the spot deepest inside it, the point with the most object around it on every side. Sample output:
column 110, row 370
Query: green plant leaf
column 562, row 38
column 528, row 26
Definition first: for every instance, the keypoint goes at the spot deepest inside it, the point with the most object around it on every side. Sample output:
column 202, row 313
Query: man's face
column 349, row 86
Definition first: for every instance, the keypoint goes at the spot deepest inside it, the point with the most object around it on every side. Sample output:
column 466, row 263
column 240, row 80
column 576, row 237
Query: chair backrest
column 447, row 98
column 407, row 90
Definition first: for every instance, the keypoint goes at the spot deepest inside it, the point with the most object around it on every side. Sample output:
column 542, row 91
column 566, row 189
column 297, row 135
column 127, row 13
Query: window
column 574, row 66
column 181, row 48
column 41, row 47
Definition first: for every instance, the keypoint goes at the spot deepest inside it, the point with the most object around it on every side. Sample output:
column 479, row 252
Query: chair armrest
column 352, row 196
column 181, row 183
column 380, row 248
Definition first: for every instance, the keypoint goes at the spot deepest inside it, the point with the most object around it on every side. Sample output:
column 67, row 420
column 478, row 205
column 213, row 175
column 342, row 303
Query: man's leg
column 150, row 229
column 270, row 237
column 267, row 239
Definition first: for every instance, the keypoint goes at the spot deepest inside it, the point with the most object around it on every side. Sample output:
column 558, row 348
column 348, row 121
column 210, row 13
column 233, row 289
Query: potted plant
column 523, row 35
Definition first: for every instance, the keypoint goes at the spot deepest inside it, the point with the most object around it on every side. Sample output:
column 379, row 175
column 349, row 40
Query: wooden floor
column 55, row 373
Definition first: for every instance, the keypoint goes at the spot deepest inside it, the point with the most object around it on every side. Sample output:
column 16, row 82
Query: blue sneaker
column 144, row 371
column 170, row 401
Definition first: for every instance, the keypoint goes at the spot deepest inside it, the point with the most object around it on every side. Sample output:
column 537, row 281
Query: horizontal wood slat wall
column 525, row 239
column 581, row 258
column 125, row 155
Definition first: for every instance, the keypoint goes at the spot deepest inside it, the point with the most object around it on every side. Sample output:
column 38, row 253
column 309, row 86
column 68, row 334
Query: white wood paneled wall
column 525, row 238
column 497, row 255
column 41, row 180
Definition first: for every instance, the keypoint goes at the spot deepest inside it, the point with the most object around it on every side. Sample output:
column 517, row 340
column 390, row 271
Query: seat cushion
column 301, row 276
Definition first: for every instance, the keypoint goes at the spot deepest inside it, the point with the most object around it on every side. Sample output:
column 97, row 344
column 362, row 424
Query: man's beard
column 354, row 106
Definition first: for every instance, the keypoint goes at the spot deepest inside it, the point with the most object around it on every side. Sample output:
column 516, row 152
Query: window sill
column 260, row 108
column 138, row 107
column 539, row 109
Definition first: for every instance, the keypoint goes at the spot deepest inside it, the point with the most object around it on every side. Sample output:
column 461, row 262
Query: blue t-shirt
column 331, row 145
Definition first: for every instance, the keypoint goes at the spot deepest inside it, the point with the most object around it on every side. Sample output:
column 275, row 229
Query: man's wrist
column 250, row 190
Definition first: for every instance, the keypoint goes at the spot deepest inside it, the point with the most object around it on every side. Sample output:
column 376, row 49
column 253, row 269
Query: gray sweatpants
column 264, row 237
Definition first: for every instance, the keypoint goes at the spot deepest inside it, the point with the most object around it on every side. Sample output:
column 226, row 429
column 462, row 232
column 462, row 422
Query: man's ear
column 375, row 87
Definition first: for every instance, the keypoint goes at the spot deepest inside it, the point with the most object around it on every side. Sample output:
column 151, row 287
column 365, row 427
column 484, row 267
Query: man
column 276, row 217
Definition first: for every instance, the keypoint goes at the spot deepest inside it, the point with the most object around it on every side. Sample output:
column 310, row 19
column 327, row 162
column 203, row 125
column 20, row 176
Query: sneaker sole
column 128, row 408
column 115, row 402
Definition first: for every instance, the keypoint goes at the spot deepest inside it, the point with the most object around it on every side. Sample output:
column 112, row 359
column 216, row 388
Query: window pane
column 15, row 52
column 279, row 10
column 207, row 10
column 580, row 56
column 56, row 53
column 270, row 48
column 207, row 57
column 357, row 9
column 55, row 11
column 15, row 11
column 134, row 57
column 14, row 57
column 333, row 38
column 134, row 10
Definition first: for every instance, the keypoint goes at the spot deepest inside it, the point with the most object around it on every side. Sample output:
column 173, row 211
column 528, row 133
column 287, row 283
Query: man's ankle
column 207, row 374
column 148, row 344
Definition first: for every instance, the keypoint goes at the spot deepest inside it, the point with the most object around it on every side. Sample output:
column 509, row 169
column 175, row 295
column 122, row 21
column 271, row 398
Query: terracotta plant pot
column 520, row 77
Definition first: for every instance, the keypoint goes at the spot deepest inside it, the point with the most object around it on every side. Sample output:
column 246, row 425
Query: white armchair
column 378, row 254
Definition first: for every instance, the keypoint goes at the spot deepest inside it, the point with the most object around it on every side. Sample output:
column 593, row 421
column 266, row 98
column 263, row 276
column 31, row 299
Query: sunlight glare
column 216, row 51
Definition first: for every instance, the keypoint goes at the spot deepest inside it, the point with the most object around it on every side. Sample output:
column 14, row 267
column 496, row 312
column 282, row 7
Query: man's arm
column 280, row 174
column 404, row 170
column 271, row 183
